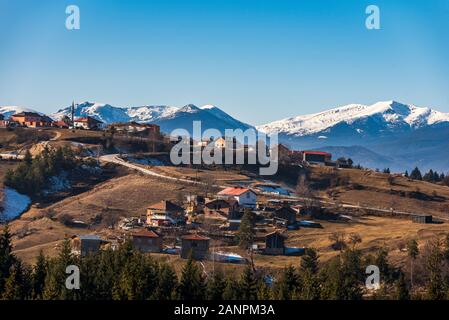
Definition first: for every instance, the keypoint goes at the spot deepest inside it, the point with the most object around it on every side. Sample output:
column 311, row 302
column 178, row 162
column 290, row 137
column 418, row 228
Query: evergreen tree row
column 125, row 274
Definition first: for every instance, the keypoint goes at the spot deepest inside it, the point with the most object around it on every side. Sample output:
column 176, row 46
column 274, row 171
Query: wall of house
column 147, row 244
column 199, row 249
column 247, row 199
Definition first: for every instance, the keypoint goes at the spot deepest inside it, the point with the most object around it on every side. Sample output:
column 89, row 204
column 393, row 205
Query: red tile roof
column 145, row 233
column 316, row 152
column 196, row 237
column 234, row 191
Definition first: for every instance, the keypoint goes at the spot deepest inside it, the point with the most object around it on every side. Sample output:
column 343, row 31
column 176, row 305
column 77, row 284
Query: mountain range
column 385, row 134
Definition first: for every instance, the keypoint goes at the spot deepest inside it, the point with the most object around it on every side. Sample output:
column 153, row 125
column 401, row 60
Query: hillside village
column 116, row 186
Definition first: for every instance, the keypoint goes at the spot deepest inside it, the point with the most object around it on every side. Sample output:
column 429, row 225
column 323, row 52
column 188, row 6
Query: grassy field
column 373, row 189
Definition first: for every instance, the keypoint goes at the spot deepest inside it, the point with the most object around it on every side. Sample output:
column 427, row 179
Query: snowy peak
column 8, row 111
column 167, row 117
column 109, row 114
column 386, row 115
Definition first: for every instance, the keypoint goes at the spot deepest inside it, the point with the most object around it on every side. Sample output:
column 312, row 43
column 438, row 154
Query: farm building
column 31, row 119
column 165, row 213
column 316, row 157
column 286, row 213
column 274, row 243
column 88, row 123
column 146, row 241
column 196, row 245
column 226, row 207
column 86, row 244
column 425, row 218
column 244, row 196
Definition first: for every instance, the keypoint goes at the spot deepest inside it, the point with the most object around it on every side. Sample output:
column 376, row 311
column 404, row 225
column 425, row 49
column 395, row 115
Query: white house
column 245, row 197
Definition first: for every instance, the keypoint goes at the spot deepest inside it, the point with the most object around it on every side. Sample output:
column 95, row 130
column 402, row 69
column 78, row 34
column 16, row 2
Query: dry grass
column 372, row 189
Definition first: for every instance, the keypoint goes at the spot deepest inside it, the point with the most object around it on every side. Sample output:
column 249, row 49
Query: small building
column 286, row 213
column 274, row 243
column 146, row 241
column 88, row 123
column 31, row 119
column 244, row 196
column 196, row 245
column 424, row 218
column 63, row 123
column 165, row 213
column 316, row 157
column 226, row 207
column 86, row 244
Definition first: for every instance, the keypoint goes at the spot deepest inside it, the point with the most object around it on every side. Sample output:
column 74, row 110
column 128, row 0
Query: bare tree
column 304, row 191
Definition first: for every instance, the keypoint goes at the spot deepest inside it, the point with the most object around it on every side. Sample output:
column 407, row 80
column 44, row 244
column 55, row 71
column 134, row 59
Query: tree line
column 126, row 274
column 32, row 176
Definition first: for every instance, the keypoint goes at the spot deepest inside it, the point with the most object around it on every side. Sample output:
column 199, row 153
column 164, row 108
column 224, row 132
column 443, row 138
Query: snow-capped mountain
column 8, row 111
column 109, row 114
column 382, row 116
column 211, row 117
column 168, row 117
column 385, row 134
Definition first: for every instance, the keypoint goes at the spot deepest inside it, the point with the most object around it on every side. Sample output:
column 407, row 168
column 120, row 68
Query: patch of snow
column 14, row 204
column 58, row 183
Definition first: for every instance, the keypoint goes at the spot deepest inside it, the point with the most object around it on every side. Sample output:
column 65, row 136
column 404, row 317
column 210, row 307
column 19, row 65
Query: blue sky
column 258, row 60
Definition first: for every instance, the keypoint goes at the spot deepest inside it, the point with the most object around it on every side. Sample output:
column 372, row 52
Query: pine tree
column 231, row 291
column 435, row 287
column 17, row 284
column 401, row 290
column 55, row 288
column 7, row 259
column 167, row 283
column 216, row 286
column 288, row 284
column 416, row 174
column 191, row 285
column 248, row 284
column 38, row 276
column 309, row 289
column 406, row 174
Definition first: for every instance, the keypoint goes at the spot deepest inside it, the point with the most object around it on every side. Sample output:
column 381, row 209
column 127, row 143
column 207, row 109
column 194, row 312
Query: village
column 207, row 225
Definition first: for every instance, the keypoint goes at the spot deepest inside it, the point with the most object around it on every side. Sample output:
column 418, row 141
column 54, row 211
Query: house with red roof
column 165, row 213
column 88, row 123
column 195, row 245
column 146, row 241
column 244, row 196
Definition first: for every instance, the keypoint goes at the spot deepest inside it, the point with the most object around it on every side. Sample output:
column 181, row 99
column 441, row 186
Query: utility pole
column 72, row 111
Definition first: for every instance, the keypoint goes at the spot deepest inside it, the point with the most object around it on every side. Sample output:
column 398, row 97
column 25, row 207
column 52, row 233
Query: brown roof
column 166, row 206
column 145, row 233
column 194, row 237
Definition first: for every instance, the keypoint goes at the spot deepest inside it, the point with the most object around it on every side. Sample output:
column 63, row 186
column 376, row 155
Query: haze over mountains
column 385, row 134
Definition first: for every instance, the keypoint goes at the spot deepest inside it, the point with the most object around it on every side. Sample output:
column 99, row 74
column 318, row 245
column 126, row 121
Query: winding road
column 114, row 158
